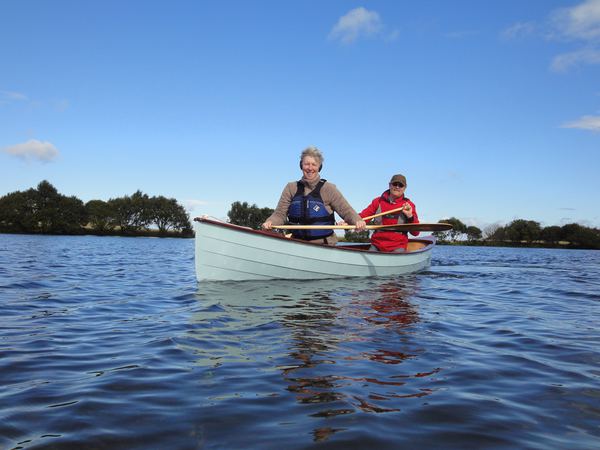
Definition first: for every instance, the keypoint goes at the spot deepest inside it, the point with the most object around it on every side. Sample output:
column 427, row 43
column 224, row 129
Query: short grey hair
column 314, row 152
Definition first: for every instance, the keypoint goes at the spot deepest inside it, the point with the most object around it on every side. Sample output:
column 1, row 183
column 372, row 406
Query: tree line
column 45, row 210
column 519, row 232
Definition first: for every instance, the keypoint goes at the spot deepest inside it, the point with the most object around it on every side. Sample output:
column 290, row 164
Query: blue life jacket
column 310, row 210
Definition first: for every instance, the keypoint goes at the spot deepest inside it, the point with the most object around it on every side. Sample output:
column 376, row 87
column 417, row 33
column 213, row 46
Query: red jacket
column 388, row 241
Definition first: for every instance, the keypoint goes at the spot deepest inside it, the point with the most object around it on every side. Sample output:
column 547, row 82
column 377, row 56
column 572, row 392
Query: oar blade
column 418, row 227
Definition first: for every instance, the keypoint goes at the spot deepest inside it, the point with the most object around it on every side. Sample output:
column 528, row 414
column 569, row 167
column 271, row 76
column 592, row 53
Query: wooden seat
column 412, row 246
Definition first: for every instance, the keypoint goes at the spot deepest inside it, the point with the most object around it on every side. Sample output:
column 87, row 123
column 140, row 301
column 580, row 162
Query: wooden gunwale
column 426, row 243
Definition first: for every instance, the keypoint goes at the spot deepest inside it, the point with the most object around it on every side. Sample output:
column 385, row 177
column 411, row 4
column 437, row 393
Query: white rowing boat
column 230, row 252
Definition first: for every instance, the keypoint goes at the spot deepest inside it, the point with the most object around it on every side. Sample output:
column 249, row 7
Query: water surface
column 109, row 342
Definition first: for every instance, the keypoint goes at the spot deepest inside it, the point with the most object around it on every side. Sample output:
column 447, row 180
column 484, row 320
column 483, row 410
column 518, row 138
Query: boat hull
column 229, row 252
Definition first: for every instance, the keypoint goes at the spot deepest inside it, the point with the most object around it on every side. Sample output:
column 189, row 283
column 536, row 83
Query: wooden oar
column 323, row 227
column 382, row 213
column 393, row 227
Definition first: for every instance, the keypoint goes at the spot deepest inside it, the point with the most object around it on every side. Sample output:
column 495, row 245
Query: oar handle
column 318, row 227
column 395, row 227
column 383, row 213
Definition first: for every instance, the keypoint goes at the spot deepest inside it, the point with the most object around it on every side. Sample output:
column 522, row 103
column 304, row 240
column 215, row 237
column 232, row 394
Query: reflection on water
column 341, row 345
column 328, row 333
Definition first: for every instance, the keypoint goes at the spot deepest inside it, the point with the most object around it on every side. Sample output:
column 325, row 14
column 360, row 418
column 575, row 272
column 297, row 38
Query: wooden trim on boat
column 415, row 245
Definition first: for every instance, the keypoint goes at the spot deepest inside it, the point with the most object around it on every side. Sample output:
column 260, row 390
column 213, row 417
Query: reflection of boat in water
column 301, row 310
column 229, row 252
column 357, row 356
column 340, row 347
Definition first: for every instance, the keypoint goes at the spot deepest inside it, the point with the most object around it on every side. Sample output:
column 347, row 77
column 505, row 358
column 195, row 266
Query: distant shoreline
column 157, row 234
column 149, row 233
column 565, row 246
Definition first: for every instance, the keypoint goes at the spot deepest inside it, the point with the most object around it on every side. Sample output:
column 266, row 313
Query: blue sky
column 490, row 108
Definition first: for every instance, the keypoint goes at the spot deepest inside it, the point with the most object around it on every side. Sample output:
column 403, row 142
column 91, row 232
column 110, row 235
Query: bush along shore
column 522, row 233
column 44, row 210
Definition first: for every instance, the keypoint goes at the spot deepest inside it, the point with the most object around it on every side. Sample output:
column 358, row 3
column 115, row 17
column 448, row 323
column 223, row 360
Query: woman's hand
column 361, row 225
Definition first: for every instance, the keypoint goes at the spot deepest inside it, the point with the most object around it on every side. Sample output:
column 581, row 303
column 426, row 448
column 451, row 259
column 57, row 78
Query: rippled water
column 109, row 343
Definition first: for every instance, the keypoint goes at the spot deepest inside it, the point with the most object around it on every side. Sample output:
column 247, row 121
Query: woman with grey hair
column 312, row 201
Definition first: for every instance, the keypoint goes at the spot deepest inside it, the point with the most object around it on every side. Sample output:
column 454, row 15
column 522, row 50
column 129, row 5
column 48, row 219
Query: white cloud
column 579, row 22
column 590, row 123
column 562, row 63
column 208, row 208
column 10, row 96
column 518, row 30
column 356, row 23
column 191, row 205
column 33, row 149
column 61, row 105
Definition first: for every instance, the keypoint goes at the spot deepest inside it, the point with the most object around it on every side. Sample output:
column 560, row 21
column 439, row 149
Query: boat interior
column 411, row 247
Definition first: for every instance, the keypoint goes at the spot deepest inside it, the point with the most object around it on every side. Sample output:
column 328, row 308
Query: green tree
column 498, row 234
column 458, row 229
column 47, row 207
column 41, row 210
column 473, row 233
column 523, row 230
column 131, row 213
column 120, row 207
column 552, row 234
column 72, row 216
column 18, row 212
column 167, row 214
column 45, row 210
column 141, row 212
column 248, row 216
column 100, row 215
column 581, row 236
